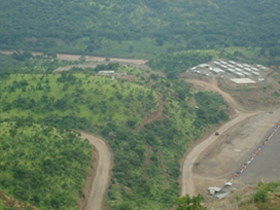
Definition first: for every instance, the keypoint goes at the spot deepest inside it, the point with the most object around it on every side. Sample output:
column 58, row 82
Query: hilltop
column 141, row 28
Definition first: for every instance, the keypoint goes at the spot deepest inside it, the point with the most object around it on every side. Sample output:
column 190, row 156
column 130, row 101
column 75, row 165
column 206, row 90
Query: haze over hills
column 137, row 27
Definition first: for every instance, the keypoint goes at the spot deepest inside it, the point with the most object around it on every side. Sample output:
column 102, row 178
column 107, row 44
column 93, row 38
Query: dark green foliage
column 189, row 203
column 274, row 52
column 110, row 66
column 43, row 166
column 87, row 27
column 260, row 196
column 26, row 63
column 208, row 111
column 175, row 63
column 70, row 78
column 23, row 56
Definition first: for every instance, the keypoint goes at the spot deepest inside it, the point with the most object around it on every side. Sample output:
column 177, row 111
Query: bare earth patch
column 215, row 163
column 218, row 163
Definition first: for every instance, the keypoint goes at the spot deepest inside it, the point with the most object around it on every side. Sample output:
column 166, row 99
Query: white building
column 255, row 73
column 238, row 74
column 106, row 72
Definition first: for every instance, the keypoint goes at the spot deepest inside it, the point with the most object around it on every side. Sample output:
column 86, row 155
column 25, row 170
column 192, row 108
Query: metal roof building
column 238, row 74
column 217, row 70
column 230, row 70
column 246, row 74
column 238, row 69
column 255, row 73
column 216, row 63
column 203, row 65
column 247, row 69
column 232, row 62
column 223, row 66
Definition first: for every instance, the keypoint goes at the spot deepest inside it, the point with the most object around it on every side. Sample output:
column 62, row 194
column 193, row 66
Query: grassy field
column 99, row 99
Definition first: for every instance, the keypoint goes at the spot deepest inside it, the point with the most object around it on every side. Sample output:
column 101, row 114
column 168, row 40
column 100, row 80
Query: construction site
column 245, row 151
column 237, row 73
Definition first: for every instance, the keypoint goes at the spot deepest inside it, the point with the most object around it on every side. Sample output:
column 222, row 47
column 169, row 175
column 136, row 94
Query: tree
column 83, row 58
column 188, row 203
column 159, row 42
column 274, row 52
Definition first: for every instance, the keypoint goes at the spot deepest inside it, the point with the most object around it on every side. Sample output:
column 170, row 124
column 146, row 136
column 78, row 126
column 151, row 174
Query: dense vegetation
column 26, row 63
column 146, row 170
column 41, row 165
column 138, row 28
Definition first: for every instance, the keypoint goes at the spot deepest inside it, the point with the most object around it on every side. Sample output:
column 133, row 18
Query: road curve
column 98, row 190
column 187, row 185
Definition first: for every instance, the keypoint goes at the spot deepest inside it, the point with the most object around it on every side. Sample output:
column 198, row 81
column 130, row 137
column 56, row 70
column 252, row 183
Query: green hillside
column 42, row 165
column 98, row 99
column 146, row 159
column 137, row 28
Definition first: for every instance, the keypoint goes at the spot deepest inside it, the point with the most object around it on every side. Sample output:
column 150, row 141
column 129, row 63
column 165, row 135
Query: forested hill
column 97, row 26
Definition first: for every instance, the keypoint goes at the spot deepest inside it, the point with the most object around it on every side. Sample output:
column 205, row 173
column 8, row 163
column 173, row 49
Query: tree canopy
column 87, row 26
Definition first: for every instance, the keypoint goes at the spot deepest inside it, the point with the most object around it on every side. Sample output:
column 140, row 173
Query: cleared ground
column 72, row 57
column 266, row 166
column 188, row 180
column 218, row 163
column 214, row 164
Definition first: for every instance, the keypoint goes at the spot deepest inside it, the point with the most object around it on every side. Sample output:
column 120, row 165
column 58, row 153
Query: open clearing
column 265, row 166
column 218, row 163
column 188, row 183
column 214, row 161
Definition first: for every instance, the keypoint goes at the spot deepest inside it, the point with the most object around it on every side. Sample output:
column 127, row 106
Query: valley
column 139, row 105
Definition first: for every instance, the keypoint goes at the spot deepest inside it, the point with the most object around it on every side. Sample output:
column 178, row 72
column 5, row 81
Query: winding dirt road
column 187, row 185
column 98, row 190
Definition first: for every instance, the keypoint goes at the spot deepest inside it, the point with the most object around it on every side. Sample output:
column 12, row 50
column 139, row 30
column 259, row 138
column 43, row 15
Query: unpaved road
column 154, row 116
column 94, row 61
column 187, row 185
column 71, row 57
column 98, row 192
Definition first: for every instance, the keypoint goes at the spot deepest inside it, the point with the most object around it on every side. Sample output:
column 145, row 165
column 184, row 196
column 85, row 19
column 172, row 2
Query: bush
column 260, row 196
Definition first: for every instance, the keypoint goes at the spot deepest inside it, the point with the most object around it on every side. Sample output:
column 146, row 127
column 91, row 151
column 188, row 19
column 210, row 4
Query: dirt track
column 154, row 116
column 187, row 185
column 98, row 190
column 72, row 57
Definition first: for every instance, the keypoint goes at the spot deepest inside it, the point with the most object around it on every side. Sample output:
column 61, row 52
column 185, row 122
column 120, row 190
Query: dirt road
column 95, row 60
column 72, row 57
column 154, row 116
column 98, row 192
column 187, row 185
